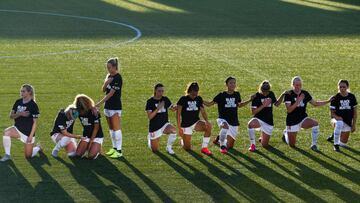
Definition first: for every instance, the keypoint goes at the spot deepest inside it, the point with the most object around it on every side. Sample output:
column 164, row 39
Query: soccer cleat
column 206, row 151
column 110, row 152
column 330, row 138
column 223, row 150
column 116, row 155
column 216, row 141
column 5, row 158
column 170, row 150
column 252, row 148
column 337, row 148
column 55, row 152
column 315, row 148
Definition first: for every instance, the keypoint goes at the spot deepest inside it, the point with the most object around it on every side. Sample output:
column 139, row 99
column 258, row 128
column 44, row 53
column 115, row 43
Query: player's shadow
column 316, row 179
column 199, row 179
column 48, row 190
column 14, row 187
column 238, row 181
column 274, row 177
column 154, row 187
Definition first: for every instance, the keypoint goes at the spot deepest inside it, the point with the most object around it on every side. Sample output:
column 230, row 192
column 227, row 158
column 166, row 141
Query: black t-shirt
column 344, row 107
column 299, row 113
column 190, row 110
column 161, row 117
column 24, row 124
column 228, row 106
column 114, row 102
column 62, row 123
column 88, row 121
column 266, row 114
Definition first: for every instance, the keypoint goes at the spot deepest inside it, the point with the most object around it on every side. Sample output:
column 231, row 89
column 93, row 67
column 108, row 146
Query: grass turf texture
column 182, row 41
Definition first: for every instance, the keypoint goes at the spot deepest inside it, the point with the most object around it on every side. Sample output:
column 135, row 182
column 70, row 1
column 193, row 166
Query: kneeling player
column 157, row 111
column 92, row 133
column 188, row 120
column 62, row 131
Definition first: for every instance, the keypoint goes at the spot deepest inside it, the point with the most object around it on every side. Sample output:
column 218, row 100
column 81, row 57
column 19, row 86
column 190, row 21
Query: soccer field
column 60, row 47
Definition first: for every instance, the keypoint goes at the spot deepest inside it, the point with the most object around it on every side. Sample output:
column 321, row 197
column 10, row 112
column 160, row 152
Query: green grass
column 182, row 41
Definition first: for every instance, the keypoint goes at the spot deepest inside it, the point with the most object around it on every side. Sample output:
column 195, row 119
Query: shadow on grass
column 87, row 172
column 276, row 178
column 199, row 179
column 316, row 179
column 152, row 185
column 239, row 182
column 48, row 190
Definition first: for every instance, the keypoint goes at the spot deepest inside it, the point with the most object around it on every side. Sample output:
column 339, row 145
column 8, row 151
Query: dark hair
column 264, row 86
column 157, row 86
column 194, row 86
column 229, row 78
column 344, row 81
column 114, row 62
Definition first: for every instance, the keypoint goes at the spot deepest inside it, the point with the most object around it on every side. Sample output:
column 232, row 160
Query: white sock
column 7, row 144
column 171, row 140
column 35, row 151
column 337, row 132
column 112, row 136
column 251, row 135
column 314, row 135
column 118, row 139
column 286, row 136
column 342, row 144
column 205, row 142
column 222, row 136
column 71, row 154
column 149, row 141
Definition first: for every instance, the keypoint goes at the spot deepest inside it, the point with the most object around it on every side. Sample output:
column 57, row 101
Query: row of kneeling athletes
column 342, row 107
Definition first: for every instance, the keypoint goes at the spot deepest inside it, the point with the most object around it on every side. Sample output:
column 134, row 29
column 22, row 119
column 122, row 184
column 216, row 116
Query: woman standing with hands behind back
column 112, row 87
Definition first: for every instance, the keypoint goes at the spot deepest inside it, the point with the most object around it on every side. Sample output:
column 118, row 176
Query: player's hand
column 300, row 97
column 267, row 102
column 29, row 140
column 207, row 123
column 181, row 132
column 161, row 105
column 24, row 114
column 353, row 128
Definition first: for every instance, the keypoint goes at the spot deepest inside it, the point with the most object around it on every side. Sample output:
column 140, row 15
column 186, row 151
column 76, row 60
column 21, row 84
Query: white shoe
column 182, row 142
column 170, row 150
column 55, row 152
column 5, row 158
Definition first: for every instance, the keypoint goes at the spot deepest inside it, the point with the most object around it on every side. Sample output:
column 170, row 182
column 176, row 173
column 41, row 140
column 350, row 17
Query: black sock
column 115, row 148
column 119, row 150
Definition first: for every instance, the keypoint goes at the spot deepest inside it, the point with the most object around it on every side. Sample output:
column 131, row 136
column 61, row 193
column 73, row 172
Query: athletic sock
column 112, row 136
column 337, row 132
column 314, row 135
column 222, row 136
column 205, row 142
column 35, row 151
column 251, row 135
column 171, row 140
column 7, row 144
column 118, row 140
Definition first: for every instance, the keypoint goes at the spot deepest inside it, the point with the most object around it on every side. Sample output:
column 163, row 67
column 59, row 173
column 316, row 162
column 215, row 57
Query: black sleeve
column 96, row 118
column 308, row 97
column 333, row 103
column 239, row 97
column 217, row 98
column 287, row 98
column 256, row 102
column 181, row 101
column 34, row 110
column 167, row 103
column 148, row 106
column 201, row 102
column 273, row 97
column 60, row 122
column 354, row 102
column 116, row 83
column 14, row 108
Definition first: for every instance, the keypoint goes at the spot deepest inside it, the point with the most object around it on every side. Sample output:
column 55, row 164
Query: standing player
column 228, row 103
column 93, row 136
column 343, row 115
column 62, row 133
column 262, row 109
column 25, row 112
column 112, row 87
column 188, row 120
column 157, row 111
column 297, row 118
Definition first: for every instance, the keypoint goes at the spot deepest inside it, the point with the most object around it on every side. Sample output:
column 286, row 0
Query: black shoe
column 330, row 138
column 315, row 148
column 260, row 139
column 337, row 148
column 216, row 141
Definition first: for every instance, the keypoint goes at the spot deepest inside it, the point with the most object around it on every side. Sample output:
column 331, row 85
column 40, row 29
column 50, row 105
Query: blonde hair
column 68, row 108
column 296, row 78
column 260, row 90
column 29, row 88
column 83, row 103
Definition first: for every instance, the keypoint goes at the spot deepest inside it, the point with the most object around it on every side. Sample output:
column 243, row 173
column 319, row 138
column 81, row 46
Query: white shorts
column 295, row 128
column 190, row 130
column 158, row 133
column 232, row 131
column 98, row 140
column 109, row 113
column 23, row 137
column 54, row 137
column 264, row 127
column 345, row 128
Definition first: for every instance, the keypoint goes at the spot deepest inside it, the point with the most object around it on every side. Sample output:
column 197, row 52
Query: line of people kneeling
column 343, row 119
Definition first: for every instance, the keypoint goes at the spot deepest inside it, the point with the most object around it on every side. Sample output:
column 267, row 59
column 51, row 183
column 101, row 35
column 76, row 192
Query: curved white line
column 137, row 31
